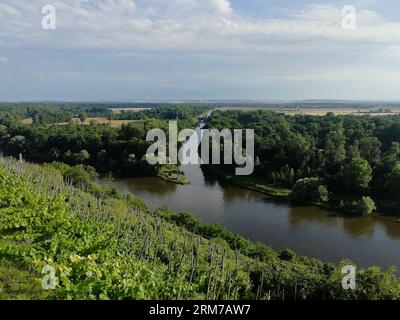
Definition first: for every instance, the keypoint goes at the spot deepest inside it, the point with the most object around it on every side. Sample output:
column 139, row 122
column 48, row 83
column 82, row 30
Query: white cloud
column 218, row 43
column 219, row 6
column 187, row 25
column 3, row 60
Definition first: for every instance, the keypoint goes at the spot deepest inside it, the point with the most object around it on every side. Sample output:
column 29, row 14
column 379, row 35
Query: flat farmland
column 104, row 120
column 339, row 111
column 120, row 110
column 27, row 121
column 96, row 120
column 320, row 111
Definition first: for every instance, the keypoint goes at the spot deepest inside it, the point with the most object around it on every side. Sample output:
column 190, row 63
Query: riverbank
column 251, row 183
column 256, row 184
column 384, row 207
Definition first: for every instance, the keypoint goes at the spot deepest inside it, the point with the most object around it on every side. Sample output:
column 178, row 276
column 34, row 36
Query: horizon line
column 181, row 101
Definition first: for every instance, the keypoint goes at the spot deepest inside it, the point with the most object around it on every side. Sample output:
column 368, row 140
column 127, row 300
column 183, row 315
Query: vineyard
column 108, row 247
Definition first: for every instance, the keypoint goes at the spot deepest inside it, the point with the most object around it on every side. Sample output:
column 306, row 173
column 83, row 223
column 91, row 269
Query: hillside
column 112, row 247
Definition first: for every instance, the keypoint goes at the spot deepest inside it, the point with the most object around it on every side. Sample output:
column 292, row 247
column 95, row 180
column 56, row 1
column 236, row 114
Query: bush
column 79, row 175
column 309, row 190
column 287, row 255
column 365, row 206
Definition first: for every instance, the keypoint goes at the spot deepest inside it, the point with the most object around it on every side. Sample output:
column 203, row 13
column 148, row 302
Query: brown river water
column 309, row 230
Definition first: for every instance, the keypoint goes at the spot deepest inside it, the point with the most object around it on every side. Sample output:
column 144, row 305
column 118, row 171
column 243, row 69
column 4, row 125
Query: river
column 308, row 230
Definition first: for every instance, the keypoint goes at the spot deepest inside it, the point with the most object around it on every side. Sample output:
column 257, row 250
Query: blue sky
column 199, row 49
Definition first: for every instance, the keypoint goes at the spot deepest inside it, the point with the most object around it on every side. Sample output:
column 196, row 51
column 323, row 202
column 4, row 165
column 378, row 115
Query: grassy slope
column 103, row 248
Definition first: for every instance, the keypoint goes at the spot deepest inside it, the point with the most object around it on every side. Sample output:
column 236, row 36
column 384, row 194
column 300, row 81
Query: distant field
column 27, row 121
column 104, row 120
column 97, row 120
column 119, row 123
column 338, row 111
column 323, row 111
column 119, row 110
column 314, row 111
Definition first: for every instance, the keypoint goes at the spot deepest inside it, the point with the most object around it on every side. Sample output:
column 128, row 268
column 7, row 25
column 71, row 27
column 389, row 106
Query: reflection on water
column 307, row 214
column 307, row 230
column 359, row 226
column 146, row 185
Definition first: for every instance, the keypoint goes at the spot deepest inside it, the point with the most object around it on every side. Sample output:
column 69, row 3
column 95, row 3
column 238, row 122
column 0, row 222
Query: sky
column 199, row 50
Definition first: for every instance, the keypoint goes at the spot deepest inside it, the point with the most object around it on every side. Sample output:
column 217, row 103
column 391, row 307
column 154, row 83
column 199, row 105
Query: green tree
column 82, row 116
column 3, row 130
column 392, row 181
column 309, row 190
column 335, row 152
column 370, row 150
column 81, row 157
column 18, row 144
column 366, row 206
column 79, row 175
column 357, row 174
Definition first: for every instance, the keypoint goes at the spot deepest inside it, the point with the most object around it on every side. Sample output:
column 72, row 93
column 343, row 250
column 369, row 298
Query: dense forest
column 52, row 113
column 119, row 150
column 182, row 113
column 352, row 158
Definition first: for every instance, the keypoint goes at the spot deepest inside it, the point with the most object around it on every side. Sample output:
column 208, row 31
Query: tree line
column 119, row 150
column 342, row 157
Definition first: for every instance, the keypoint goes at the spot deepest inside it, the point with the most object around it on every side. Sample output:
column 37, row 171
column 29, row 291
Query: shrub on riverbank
column 309, row 190
column 364, row 206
